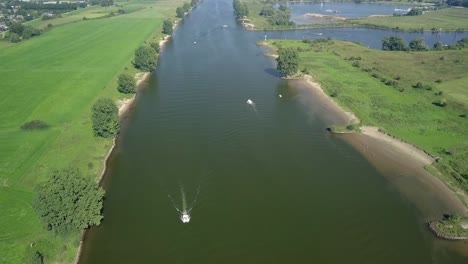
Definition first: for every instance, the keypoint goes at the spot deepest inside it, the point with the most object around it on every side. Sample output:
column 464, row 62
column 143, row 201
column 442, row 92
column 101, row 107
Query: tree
column 394, row 43
column 288, row 60
column 16, row 28
column 267, row 11
column 105, row 117
column 193, row 3
column 146, row 59
column 418, row 45
column 126, row 83
column 438, row 46
column 68, row 201
column 414, row 12
column 186, row 7
column 180, row 13
column 155, row 46
column 167, row 27
column 240, row 9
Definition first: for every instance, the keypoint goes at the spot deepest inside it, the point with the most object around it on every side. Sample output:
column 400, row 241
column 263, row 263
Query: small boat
column 185, row 217
column 225, row 26
column 250, row 102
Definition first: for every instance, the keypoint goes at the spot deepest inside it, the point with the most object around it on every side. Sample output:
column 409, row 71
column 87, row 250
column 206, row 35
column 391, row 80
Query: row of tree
column 397, row 43
column 240, row 9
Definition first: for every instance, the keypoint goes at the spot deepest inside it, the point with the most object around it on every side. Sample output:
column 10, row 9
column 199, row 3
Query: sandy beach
column 402, row 164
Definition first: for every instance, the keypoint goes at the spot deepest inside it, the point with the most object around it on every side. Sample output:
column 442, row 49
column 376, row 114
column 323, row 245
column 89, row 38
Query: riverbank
column 61, row 97
column 356, row 90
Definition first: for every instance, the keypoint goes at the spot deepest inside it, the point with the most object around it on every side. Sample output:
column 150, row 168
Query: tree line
column 397, row 43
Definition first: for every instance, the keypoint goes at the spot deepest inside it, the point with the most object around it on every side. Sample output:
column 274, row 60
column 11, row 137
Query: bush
column 186, row 7
column 105, row 117
column 419, row 85
column 394, row 43
column 442, row 102
column 35, row 125
column 155, row 46
column 68, row 202
column 36, row 258
column 126, row 83
column 180, row 13
column 145, row 59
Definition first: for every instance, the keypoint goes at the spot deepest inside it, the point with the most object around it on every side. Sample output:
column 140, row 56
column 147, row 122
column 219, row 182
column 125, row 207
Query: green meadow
column 56, row 77
column 378, row 86
column 448, row 19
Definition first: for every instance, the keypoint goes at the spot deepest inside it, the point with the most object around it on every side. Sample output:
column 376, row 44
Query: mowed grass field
column 403, row 111
column 445, row 19
column 92, row 12
column 56, row 77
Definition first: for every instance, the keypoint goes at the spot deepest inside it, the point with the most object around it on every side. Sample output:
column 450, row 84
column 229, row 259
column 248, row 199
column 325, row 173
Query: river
column 266, row 182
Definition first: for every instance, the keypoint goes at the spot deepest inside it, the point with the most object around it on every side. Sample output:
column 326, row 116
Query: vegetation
column 418, row 45
column 180, row 12
column 444, row 19
column 126, row 83
column 35, row 125
column 414, row 12
column 394, row 43
column 451, row 227
column 167, row 27
column 146, row 59
column 68, row 68
column 105, row 116
column 288, row 60
column 380, row 92
column 240, row 9
column 68, row 201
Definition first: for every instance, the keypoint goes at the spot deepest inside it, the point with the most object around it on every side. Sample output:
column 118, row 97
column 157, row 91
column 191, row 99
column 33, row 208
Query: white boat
column 225, row 26
column 185, row 217
column 250, row 102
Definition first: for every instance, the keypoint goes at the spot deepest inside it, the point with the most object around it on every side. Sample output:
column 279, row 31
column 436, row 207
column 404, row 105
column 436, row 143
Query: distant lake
column 346, row 10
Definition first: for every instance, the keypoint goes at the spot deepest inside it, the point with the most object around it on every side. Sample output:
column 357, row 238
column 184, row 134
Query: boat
column 185, row 217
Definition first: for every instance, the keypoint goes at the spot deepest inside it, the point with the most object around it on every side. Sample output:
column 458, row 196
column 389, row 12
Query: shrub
column 145, row 59
column 126, row 83
column 186, row 7
column 394, row 43
column 180, row 13
column 438, row 81
column 419, row 85
column 442, row 102
column 155, row 46
column 35, row 125
column 68, row 201
column 351, row 127
column 105, row 117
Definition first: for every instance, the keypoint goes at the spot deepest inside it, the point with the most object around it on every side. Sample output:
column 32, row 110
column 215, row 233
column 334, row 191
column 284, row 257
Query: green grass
column 92, row 12
column 56, row 78
column 448, row 19
column 402, row 110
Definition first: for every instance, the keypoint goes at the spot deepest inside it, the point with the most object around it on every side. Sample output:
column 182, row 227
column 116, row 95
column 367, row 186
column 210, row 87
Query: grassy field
column 445, row 19
column 378, row 87
column 92, row 12
column 449, row 19
column 56, row 78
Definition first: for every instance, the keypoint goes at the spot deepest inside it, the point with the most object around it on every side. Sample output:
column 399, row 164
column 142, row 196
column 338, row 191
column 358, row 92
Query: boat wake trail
column 186, row 208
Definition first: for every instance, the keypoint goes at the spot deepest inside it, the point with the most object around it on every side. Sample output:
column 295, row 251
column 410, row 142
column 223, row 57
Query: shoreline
column 402, row 163
column 123, row 106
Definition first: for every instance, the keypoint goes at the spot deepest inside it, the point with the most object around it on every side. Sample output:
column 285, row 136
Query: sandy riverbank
column 403, row 164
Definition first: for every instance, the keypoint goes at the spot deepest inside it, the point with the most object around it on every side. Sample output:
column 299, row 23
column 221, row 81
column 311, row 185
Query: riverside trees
column 240, row 9
column 167, row 27
column 145, row 58
column 67, row 201
column 126, row 83
column 105, row 117
column 288, row 61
